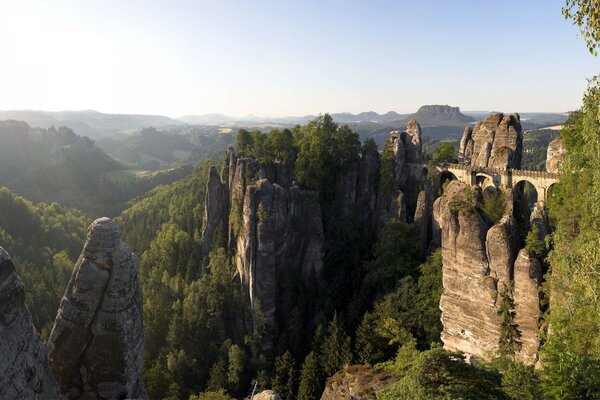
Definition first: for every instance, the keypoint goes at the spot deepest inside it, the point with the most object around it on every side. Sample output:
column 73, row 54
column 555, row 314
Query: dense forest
column 377, row 304
column 372, row 313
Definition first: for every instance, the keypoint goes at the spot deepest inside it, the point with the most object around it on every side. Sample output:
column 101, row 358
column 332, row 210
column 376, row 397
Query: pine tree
column 218, row 376
column 284, row 381
column 509, row 342
column 335, row 352
column 311, row 380
column 366, row 347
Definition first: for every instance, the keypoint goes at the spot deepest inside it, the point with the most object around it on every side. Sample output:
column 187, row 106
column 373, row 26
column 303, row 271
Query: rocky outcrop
column 468, row 302
column 480, row 262
column 526, row 296
column 413, row 142
column 555, row 156
column 96, row 345
column 501, row 245
column 267, row 395
column 216, row 207
column 24, row 369
column 357, row 382
column 495, row 142
column 281, row 229
column 422, row 221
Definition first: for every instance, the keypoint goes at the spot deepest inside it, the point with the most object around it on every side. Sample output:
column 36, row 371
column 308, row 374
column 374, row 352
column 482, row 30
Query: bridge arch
column 443, row 178
column 485, row 180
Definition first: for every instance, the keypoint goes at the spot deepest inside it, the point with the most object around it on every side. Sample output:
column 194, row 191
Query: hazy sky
column 281, row 57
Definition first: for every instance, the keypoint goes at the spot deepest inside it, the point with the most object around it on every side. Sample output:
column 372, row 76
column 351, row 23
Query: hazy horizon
column 281, row 60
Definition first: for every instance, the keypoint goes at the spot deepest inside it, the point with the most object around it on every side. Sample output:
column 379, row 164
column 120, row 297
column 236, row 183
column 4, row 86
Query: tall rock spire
column 97, row 344
column 24, row 370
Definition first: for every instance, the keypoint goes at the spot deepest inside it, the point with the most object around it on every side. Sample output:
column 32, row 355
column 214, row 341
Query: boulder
column 24, row 369
column 266, row 395
column 357, row 382
column 97, row 344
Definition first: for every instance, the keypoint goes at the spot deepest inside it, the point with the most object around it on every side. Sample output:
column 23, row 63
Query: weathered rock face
column 526, row 292
column 555, row 156
column 216, row 207
column 495, row 142
column 357, row 382
column 267, row 395
column 422, row 220
column 502, row 246
column 24, row 369
column 281, row 229
column 469, row 315
column 479, row 262
column 412, row 141
column 96, row 345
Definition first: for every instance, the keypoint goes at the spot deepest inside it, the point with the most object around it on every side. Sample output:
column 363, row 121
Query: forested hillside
column 44, row 241
column 58, row 165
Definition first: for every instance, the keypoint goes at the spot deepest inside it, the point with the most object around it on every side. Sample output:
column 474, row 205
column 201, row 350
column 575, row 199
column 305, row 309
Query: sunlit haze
column 279, row 58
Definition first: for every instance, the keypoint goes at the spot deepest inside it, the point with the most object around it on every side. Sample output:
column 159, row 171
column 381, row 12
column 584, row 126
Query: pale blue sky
column 278, row 58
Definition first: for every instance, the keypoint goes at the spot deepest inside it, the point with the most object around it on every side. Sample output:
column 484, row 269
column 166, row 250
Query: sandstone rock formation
column 422, row 221
column 481, row 261
column 357, row 382
column 96, row 345
column 468, row 303
column 495, row 142
column 24, row 369
column 526, row 296
column 281, row 229
column 555, row 155
column 216, row 206
column 267, row 395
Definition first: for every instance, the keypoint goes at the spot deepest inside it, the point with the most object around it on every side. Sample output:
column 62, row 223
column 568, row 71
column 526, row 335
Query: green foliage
column 387, row 174
column 533, row 244
column 284, row 380
column 44, row 240
column 277, row 145
column 444, row 153
column 586, row 15
column 212, row 395
column 311, row 379
column 396, row 256
column 335, row 350
column 571, row 352
column 369, row 146
column 521, row 382
column 368, row 347
column 492, row 204
column 509, row 342
column 324, row 148
column 437, row 374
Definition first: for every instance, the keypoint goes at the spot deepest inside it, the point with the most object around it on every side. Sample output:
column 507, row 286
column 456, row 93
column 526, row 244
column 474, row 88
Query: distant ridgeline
column 303, row 252
column 58, row 165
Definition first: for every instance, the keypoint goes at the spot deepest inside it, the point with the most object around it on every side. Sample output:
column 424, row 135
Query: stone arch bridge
column 500, row 178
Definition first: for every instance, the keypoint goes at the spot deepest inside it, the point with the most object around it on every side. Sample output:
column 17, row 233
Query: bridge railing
column 499, row 171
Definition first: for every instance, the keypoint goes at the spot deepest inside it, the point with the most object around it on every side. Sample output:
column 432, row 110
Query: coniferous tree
column 335, row 351
column 311, row 379
column 509, row 342
column 284, row 380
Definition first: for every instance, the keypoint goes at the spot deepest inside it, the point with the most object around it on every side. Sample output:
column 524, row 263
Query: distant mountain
column 440, row 115
column 530, row 120
column 369, row 116
column 89, row 123
column 207, row 119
